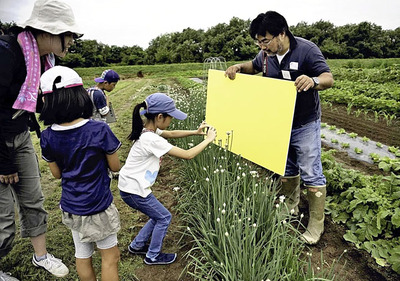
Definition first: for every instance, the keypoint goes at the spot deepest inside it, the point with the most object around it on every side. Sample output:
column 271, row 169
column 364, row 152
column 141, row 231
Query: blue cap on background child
column 69, row 78
column 161, row 103
column 109, row 76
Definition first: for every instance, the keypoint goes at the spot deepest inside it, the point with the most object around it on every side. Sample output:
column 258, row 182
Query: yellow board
column 256, row 112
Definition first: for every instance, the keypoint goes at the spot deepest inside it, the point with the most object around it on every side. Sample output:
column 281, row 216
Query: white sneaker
column 5, row 276
column 51, row 264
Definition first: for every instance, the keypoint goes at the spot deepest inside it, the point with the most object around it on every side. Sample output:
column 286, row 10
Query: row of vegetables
column 231, row 210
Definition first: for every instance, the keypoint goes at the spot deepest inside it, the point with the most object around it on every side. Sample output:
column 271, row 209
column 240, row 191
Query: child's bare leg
column 85, row 269
column 109, row 264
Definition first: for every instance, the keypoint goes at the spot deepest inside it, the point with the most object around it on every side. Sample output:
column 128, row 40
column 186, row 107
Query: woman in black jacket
column 49, row 31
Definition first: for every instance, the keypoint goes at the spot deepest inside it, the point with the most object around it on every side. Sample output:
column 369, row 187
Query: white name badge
column 286, row 75
column 294, row 65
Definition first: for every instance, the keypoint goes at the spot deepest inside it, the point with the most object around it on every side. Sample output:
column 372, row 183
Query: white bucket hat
column 54, row 17
column 69, row 79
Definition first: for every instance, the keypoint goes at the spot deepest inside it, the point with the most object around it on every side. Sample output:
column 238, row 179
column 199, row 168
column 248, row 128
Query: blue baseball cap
column 108, row 75
column 161, row 103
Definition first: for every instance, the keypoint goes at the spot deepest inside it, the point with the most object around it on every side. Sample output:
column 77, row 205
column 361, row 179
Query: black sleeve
column 8, row 60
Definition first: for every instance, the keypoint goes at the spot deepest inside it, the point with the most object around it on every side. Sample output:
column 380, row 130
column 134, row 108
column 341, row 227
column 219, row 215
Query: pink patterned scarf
column 28, row 93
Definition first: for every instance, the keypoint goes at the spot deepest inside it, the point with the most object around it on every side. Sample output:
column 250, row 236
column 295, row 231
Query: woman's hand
column 9, row 179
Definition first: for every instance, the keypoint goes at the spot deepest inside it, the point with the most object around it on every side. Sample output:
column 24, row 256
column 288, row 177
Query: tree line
column 233, row 42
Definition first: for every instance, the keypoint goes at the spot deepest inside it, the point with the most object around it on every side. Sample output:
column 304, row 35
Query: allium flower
column 282, row 198
column 223, row 211
column 176, row 188
column 226, row 234
column 254, row 225
column 254, row 174
column 277, row 205
column 207, row 179
column 218, row 219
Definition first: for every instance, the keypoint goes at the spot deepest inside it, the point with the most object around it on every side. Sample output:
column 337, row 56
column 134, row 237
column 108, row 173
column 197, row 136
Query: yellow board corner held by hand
column 253, row 116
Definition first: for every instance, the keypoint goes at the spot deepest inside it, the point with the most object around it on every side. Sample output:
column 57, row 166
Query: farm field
column 213, row 195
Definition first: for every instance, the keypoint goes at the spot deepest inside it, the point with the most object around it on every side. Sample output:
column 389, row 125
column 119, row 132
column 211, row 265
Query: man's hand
column 232, row 70
column 303, row 83
column 9, row 179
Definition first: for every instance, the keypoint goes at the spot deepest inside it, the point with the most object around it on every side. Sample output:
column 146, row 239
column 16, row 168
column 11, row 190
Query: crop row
column 241, row 230
column 373, row 89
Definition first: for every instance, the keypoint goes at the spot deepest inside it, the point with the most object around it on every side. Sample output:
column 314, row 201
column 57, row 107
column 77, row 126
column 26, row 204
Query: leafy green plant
column 345, row 145
column 369, row 206
column 352, row 135
column 365, row 139
column 358, row 150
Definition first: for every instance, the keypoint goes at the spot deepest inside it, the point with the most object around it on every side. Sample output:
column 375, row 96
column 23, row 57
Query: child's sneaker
column 51, row 264
column 5, row 276
column 161, row 259
column 141, row 251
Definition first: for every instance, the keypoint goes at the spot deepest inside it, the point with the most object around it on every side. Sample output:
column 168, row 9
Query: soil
column 364, row 125
column 354, row 265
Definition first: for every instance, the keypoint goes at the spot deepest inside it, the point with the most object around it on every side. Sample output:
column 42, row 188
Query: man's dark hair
column 66, row 105
column 270, row 21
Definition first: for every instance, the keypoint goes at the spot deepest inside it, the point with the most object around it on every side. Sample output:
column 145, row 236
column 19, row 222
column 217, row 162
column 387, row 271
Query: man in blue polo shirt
column 284, row 56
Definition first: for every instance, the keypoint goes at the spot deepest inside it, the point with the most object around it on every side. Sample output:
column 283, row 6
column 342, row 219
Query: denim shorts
column 304, row 155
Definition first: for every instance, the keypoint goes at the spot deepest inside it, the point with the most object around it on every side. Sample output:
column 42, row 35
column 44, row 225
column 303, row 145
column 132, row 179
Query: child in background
column 80, row 151
column 102, row 110
column 142, row 165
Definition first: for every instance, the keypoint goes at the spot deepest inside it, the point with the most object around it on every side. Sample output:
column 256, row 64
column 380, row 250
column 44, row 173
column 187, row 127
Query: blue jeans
column 304, row 155
column 156, row 227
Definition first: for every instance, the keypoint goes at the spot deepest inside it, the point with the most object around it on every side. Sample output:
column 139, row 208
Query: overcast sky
column 132, row 22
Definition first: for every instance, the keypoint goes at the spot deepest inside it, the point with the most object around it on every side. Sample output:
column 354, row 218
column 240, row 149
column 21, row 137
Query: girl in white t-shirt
column 142, row 165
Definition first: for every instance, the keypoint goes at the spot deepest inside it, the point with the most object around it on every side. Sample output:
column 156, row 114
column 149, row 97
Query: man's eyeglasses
column 265, row 42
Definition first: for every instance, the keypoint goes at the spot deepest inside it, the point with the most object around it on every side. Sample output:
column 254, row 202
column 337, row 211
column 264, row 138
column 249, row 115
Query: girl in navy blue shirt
column 81, row 152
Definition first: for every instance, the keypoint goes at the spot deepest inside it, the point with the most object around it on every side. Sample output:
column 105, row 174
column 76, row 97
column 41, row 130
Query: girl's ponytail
column 137, row 122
